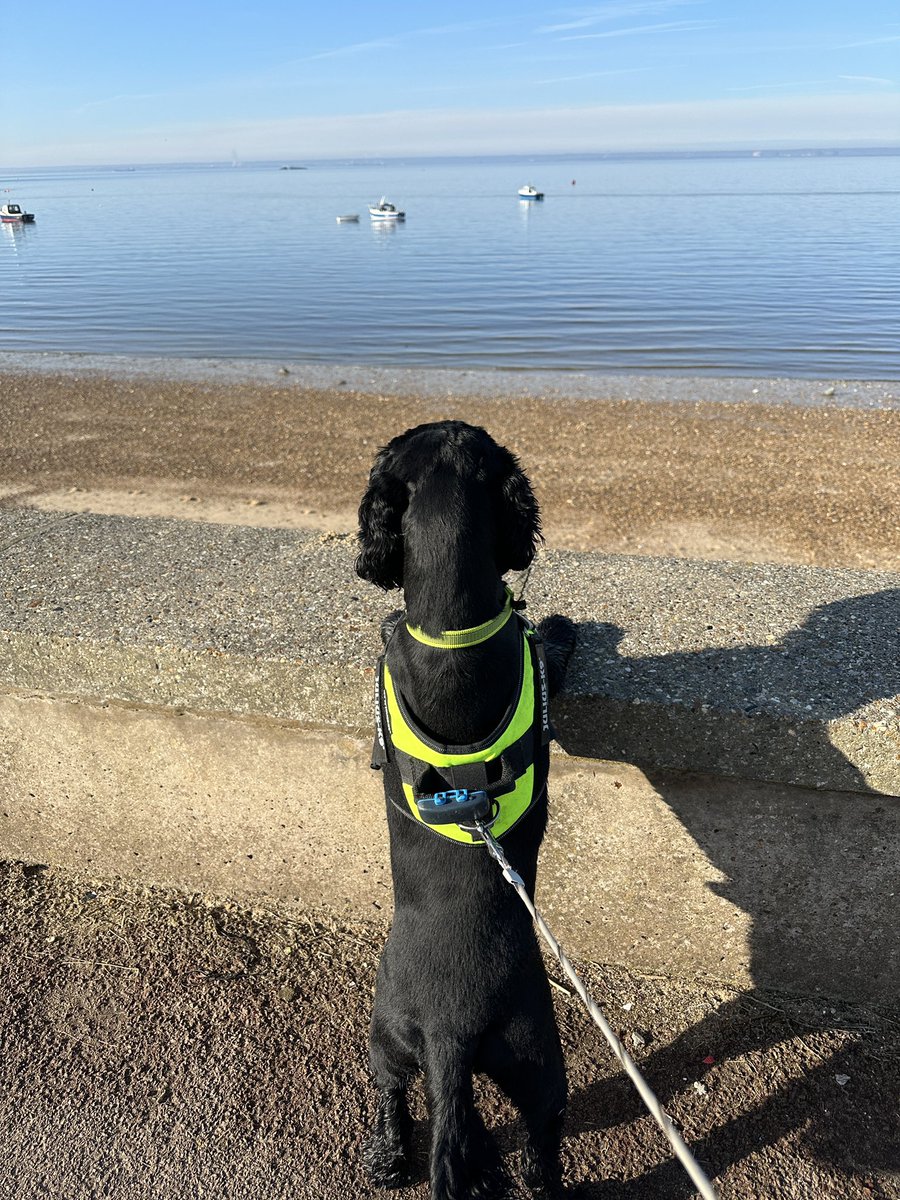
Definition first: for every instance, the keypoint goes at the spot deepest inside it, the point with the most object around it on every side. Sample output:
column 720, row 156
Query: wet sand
column 749, row 470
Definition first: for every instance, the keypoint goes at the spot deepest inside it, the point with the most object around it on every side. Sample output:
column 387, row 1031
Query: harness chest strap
column 508, row 760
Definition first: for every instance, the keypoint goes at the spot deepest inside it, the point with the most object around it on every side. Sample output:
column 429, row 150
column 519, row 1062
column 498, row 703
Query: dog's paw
column 560, row 635
column 490, row 1184
column 544, row 1179
column 475, row 1180
column 388, row 1166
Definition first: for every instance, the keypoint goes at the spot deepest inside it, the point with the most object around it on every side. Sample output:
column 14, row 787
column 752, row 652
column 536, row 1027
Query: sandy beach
column 749, row 470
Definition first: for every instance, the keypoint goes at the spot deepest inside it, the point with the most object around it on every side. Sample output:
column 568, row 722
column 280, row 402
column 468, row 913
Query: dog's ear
column 518, row 517
column 381, row 510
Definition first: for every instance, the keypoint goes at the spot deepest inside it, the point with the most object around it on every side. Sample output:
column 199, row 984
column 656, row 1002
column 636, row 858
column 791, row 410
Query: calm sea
column 752, row 266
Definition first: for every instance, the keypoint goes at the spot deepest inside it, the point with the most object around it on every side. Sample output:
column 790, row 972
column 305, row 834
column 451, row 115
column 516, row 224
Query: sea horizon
column 300, row 162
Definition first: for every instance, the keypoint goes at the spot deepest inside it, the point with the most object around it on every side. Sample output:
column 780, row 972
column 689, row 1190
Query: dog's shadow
column 805, row 930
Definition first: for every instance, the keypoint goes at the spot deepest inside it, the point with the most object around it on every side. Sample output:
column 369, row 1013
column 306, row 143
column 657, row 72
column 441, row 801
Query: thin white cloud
column 869, row 79
column 591, row 75
column 353, row 48
column 456, row 27
column 387, row 43
column 664, row 27
column 812, row 83
column 794, row 83
column 615, row 12
column 870, row 42
column 121, row 98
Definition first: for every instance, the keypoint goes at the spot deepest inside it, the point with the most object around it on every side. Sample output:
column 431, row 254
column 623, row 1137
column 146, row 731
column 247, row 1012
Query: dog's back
column 461, row 986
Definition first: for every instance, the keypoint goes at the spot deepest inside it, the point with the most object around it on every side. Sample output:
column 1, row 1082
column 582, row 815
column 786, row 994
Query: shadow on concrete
column 752, row 711
column 813, row 873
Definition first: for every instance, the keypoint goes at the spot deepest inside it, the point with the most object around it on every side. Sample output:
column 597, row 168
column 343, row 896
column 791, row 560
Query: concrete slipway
column 189, row 704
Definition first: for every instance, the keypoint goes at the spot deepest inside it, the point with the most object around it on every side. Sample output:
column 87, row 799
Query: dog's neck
column 450, row 576
column 451, row 582
column 440, row 684
column 461, row 595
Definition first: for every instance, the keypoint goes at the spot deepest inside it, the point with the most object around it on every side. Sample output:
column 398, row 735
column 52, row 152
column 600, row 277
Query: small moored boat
column 347, row 218
column 12, row 213
column 383, row 211
column 530, row 193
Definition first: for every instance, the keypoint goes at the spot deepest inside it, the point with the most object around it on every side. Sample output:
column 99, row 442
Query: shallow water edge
column 481, row 383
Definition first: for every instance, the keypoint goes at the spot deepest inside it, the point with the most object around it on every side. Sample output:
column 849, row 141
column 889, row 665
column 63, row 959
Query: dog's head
column 471, row 456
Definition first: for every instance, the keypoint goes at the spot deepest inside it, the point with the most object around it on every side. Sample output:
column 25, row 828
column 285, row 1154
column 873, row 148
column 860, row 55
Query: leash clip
column 496, row 852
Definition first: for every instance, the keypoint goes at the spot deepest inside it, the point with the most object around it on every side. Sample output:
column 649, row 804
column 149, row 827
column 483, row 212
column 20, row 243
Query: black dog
column 461, row 986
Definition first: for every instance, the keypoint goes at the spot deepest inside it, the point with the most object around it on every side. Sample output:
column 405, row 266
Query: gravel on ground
column 161, row 1046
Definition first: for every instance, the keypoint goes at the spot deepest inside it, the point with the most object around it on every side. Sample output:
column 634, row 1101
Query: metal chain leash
column 676, row 1141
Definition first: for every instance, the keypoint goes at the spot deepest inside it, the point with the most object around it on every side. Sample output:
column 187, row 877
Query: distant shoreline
column 750, row 150
column 481, row 383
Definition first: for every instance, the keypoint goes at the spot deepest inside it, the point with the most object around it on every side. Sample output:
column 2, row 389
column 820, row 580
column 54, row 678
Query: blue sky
column 106, row 82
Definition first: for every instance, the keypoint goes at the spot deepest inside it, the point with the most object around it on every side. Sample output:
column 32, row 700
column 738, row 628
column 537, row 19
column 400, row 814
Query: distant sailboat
column 235, row 161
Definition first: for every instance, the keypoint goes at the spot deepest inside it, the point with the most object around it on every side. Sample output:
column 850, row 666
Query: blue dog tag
column 453, row 806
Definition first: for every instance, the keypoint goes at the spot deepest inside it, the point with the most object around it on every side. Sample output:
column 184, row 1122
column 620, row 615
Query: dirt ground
column 157, row 1046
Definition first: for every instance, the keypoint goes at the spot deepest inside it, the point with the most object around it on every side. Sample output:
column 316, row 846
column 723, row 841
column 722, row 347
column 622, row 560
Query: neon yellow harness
column 503, row 765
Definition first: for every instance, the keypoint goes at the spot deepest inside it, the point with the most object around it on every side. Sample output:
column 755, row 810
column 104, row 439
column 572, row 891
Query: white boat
column 13, row 214
column 347, row 218
column 383, row 211
column 528, row 192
